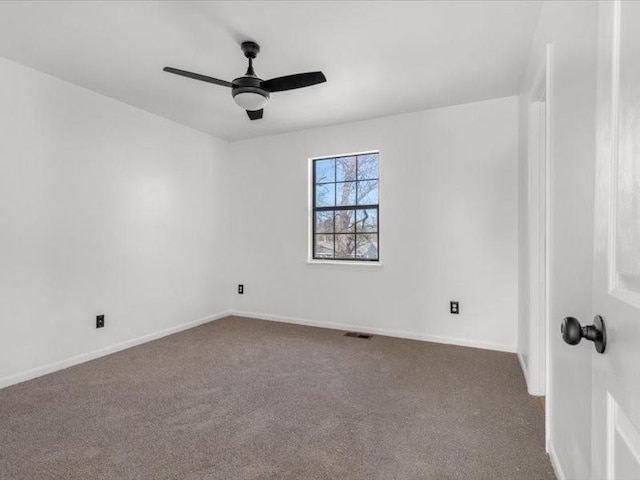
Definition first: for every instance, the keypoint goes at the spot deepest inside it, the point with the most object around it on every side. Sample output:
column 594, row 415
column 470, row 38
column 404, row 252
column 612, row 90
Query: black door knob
column 573, row 332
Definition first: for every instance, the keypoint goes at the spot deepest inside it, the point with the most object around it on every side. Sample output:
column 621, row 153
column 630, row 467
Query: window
column 345, row 208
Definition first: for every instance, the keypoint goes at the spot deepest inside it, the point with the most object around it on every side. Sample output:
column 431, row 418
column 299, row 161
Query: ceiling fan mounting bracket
column 250, row 49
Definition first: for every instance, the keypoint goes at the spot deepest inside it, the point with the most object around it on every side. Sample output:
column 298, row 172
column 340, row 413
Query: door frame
column 538, row 164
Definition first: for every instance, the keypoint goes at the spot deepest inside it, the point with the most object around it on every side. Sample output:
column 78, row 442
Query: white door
column 616, row 373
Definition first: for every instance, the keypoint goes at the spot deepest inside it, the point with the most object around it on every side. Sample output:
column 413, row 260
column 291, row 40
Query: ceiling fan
column 251, row 92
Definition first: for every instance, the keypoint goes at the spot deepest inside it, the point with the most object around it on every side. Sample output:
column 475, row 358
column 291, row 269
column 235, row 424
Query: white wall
column 103, row 209
column 448, row 220
column 571, row 28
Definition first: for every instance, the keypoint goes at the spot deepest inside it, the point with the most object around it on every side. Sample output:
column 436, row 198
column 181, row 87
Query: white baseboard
column 531, row 388
column 555, row 462
column 523, row 366
column 85, row 357
column 425, row 337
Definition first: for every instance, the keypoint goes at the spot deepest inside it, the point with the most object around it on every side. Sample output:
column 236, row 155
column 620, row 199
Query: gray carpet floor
column 249, row 399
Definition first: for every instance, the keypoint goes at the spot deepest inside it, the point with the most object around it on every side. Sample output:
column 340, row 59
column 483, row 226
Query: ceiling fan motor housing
column 249, row 84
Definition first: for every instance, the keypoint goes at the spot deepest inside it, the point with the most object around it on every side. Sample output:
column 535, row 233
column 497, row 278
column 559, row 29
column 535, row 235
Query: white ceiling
column 380, row 58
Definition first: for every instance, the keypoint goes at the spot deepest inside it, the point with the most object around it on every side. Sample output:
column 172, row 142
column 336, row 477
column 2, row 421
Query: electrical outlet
column 100, row 321
column 454, row 308
column 241, row 289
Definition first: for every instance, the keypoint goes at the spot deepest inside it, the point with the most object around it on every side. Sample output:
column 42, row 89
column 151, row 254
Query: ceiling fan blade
column 197, row 76
column 255, row 114
column 291, row 82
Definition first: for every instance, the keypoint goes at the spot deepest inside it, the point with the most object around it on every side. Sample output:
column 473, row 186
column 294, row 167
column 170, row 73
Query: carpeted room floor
column 250, row 399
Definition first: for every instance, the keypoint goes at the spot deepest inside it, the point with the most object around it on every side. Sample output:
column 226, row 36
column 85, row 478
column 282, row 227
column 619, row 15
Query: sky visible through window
column 346, row 207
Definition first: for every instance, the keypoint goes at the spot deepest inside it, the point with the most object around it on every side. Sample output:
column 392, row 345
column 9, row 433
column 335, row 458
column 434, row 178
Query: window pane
column 367, row 246
column 345, row 246
column 325, row 170
column 367, row 220
column 368, row 168
column 326, row 195
column 345, row 221
column 324, row 222
column 345, row 193
column 345, row 169
column 323, row 247
column 368, row 192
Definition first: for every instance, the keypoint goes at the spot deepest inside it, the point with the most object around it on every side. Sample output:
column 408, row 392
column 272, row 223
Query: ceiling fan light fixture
column 251, row 100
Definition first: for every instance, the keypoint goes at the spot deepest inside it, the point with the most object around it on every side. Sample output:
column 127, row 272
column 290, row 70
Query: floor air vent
column 357, row 335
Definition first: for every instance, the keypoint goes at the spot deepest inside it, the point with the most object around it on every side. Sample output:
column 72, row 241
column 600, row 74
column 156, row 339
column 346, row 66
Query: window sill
column 338, row 263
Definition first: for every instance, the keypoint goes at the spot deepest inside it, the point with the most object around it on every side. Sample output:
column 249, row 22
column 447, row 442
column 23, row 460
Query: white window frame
column 310, row 215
